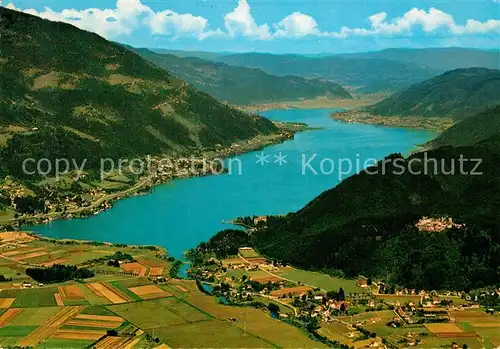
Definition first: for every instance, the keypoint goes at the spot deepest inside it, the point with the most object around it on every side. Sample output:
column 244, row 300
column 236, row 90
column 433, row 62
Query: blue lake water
column 180, row 214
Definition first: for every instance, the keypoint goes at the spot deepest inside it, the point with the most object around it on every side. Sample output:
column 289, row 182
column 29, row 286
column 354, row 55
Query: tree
column 332, row 294
column 273, row 308
column 369, row 281
column 343, row 307
column 341, row 295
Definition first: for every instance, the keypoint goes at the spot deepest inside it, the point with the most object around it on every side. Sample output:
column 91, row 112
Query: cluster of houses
column 436, row 224
column 327, row 311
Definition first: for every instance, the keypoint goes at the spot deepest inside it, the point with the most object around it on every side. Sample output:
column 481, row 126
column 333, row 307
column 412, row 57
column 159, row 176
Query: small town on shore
column 80, row 194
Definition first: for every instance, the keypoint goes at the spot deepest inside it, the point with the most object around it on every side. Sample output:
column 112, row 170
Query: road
column 92, row 206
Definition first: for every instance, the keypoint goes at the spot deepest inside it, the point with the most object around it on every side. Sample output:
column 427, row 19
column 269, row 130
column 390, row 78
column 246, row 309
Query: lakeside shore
column 436, row 124
column 318, row 103
column 146, row 183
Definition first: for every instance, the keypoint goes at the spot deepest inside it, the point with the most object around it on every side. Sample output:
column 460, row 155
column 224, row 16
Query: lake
column 279, row 179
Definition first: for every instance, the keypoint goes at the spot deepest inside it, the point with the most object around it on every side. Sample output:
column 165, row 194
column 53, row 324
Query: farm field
column 337, row 332
column 20, row 250
column 77, row 314
column 474, row 328
column 25, row 298
column 147, row 314
column 323, row 281
column 211, row 334
column 291, row 290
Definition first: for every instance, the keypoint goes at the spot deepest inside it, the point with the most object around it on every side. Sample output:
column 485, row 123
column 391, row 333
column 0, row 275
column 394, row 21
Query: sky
column 280, row 26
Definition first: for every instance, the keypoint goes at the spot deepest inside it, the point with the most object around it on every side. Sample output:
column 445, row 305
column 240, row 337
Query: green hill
column 366, row 225
column 240, row 85
column 470, row 131
column 457, row 94
column 68, row 93
column 366, row 75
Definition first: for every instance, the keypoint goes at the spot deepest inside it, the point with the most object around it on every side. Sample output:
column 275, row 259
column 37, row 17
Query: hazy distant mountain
column 457, row 94
column 438, row 58
column 240, row 85
column 387, row 70
column 367, row 75
column 198, row 54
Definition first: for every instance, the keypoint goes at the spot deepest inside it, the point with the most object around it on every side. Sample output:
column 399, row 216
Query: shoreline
column 435, row 124
column 319, row 103
column 286, row 131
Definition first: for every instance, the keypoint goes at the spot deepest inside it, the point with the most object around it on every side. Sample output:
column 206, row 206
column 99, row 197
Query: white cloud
column 172, row 23
column 129, row 15
column 296, row 25
column 241, row 22
column 430, row 21
column 121, row 20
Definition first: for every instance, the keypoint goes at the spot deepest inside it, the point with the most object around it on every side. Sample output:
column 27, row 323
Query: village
column 81, row 193
column 352, row 312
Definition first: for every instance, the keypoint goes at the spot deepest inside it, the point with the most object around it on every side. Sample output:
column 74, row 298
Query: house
column 362, row 283
column 260, row 219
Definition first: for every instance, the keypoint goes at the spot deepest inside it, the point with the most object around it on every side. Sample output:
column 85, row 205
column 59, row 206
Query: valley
column 253, row 197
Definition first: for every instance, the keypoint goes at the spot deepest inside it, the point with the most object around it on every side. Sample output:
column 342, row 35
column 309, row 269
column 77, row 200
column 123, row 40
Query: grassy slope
column 91, row 98
column 457, row 94
column 241, row 85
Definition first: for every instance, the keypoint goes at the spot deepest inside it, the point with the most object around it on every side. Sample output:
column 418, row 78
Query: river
column 180, row 214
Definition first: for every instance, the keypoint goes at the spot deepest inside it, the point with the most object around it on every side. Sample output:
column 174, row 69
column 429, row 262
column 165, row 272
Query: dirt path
column 51, row 326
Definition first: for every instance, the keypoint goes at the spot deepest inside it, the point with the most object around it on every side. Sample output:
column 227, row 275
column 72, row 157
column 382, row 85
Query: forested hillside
column 366, row 225
column 240, row 85
column 457, row 94
column 471, row 130
column 69, row 93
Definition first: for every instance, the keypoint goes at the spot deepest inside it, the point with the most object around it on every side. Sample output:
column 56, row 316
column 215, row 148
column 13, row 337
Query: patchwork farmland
column 131, row 305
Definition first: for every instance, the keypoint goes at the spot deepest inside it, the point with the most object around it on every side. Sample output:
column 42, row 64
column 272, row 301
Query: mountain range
column 363, row 75
column 443, row 58
column 241, row 85
column 382, row 71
